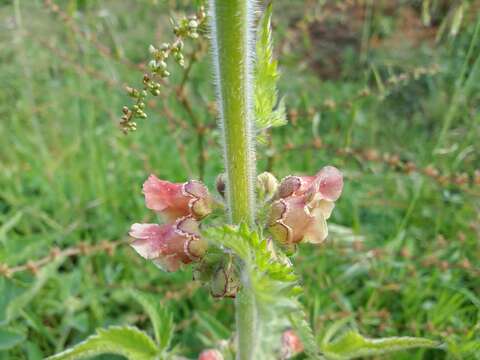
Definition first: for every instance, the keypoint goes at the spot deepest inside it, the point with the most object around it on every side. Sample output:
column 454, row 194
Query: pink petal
column 317, row 231
column 175, row 200
column 329, row 183
column 160, row 194
column 150, row 239
column 289, row 219
column 170, row 245
column 168, row 263
column 210, row 354
column 291, row 344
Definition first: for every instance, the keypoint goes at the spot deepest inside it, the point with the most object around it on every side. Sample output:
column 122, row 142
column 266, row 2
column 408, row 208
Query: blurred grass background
column 388, row 91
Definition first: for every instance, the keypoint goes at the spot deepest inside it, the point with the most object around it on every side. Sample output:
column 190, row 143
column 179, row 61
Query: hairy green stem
column 233, row 52
column 233, row 58
column 246, row 321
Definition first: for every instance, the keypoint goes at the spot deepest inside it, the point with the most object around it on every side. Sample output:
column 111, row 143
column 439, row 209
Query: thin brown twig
column 463, row 181
column 34, row 267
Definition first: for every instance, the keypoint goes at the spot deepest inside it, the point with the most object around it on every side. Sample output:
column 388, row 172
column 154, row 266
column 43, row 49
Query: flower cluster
column 178, row 241
column 297, row 207
column 187, row 28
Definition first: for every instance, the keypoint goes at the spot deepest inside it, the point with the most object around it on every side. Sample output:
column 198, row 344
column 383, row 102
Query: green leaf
column 305, row 332
column 228, row 237
column 9, row 339
column 269, row 112
column 269, row 279
column 209, row 324
column 353, row 345
column 160, row 317
column 126, row 341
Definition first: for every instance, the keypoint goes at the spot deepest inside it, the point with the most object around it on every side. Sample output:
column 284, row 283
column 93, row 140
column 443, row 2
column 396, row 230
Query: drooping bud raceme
column 174, row 200
column 210, row 354
column 169, row 245
column 291, row 344
column 303, row 206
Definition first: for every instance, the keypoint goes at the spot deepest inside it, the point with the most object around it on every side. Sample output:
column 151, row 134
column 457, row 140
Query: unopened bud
column 221, row 184
column 152, row 65
column 225, row 282
column 267, row 185
column 210, row 354
column 291, row 344
column 162, row 65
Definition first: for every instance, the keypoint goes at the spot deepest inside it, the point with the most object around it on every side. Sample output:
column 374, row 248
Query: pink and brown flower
column 170, row 245
column 291, row 344
column 303, row 206
column 210, row 354
column 174, row 200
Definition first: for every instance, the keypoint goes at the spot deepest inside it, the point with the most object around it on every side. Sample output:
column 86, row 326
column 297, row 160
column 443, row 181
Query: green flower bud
column 221, row 184
column 225, row 282
column 152, row 65
column 267, row 185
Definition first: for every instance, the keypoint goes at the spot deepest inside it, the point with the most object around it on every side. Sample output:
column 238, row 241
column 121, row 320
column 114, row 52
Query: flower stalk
column 233, row 53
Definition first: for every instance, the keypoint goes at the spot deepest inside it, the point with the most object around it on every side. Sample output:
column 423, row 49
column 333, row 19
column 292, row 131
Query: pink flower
column 210, row 354
column 170, row 245
column 327, row 183
column 175, row 200
column 291, row 344
column 304, row 205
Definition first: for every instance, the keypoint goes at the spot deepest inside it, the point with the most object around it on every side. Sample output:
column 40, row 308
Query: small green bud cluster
column 187, row 28
column 127, row 122
column 158, row 64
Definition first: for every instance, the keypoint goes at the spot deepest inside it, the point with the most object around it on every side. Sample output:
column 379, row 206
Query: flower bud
column 225, row 282
column 291, row 344
column 152, row 64
column 162, row 65
column 221, row 184
column 267, row 185
column 210, row 354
